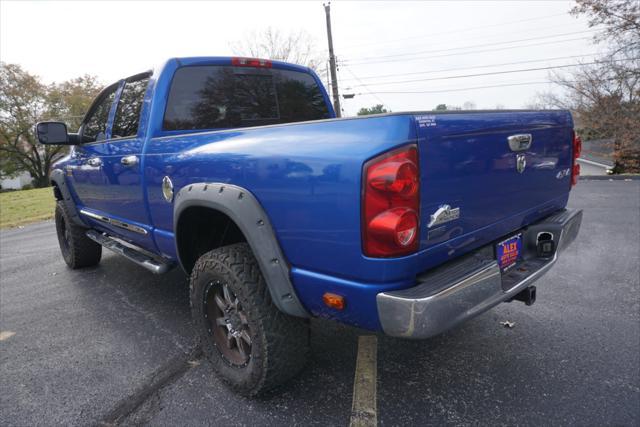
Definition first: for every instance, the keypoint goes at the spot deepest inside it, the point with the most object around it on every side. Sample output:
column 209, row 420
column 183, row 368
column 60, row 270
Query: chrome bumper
column 466, row 287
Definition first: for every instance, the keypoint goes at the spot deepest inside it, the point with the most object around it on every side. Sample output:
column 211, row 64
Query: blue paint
column 307, row 176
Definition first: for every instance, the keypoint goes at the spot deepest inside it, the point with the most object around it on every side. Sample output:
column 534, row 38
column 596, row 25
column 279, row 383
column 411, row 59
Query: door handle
column 95, row 161
column 129, row 160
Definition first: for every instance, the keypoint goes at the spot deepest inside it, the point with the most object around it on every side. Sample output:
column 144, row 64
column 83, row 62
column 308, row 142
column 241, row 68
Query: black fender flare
column 245, row 210
column 58, row 179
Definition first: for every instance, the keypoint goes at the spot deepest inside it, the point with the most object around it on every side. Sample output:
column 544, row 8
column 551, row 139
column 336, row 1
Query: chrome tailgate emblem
column 443, row 214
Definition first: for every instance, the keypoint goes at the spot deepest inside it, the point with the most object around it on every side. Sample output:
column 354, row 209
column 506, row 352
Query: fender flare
column 244, row 209
column 57, row 177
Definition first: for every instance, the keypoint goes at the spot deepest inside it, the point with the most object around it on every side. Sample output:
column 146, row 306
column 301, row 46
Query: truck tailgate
column 471, row 178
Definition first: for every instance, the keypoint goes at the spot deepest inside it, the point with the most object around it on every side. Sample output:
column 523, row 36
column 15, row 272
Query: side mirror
column 52, row 133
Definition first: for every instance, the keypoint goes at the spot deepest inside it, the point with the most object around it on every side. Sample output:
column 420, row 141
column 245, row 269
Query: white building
column 17, row 182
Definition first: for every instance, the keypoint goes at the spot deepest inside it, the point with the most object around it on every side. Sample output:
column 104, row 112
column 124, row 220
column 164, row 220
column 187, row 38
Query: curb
column 610, row 178
column 594, row 163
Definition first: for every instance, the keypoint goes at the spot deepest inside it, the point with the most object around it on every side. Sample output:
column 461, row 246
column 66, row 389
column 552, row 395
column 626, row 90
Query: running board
column 136, row 255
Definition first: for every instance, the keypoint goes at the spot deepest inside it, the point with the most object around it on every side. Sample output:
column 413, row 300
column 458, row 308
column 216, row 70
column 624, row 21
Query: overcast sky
column 401, row 40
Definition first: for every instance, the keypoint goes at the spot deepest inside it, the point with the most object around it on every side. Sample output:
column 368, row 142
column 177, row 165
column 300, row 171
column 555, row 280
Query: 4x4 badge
column 444, row 214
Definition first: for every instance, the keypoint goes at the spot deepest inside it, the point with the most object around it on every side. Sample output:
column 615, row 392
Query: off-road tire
column 77, row 249
column 279, row 342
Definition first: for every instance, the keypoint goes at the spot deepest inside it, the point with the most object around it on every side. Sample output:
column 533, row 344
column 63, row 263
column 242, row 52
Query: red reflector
column 391, row 204
column 251, row 62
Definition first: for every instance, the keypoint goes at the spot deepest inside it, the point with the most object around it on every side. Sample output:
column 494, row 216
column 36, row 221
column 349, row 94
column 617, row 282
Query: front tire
column 252, row 345
column 77, row 249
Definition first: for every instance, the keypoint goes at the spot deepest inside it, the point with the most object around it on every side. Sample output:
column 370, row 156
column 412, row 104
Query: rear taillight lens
column 391, row 204
column 577, row 150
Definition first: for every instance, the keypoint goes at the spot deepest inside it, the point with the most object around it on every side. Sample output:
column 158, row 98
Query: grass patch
column 23, row 207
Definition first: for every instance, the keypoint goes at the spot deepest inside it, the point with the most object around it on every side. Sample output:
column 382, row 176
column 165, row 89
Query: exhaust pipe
column 527, row 296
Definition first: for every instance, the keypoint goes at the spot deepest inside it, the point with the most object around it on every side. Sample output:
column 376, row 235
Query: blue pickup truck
column 237, row 170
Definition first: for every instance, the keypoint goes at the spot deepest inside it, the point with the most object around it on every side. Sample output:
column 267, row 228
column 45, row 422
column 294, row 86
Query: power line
column 497, row 72
column 472, row 67
column 476, row 45
column 489, row 36
column 469, row 53
column 459, row 89
column 466, row 88
column 365, row 86
column 460, row 30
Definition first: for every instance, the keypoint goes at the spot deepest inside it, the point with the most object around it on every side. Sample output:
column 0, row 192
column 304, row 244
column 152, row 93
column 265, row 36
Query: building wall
column 17, row 182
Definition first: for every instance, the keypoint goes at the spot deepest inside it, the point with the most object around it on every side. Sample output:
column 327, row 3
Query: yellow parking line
column 364, row 411
column 5, row 335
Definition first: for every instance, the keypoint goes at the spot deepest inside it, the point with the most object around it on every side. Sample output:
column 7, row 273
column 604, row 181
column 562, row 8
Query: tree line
column 25, row 100
column 603, row 97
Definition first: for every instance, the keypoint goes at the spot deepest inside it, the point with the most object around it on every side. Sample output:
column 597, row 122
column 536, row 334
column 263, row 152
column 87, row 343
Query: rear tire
column 252, row 345
column 77, row 249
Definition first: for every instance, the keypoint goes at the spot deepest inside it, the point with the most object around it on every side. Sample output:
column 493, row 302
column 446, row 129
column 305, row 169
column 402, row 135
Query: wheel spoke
column 230, row 339
column 227, row 295
column 219, row 302
column 245, row 336
column 221, row 321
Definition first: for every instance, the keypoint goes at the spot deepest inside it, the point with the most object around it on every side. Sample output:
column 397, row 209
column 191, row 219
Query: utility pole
column 332, row 63
column 328, row 76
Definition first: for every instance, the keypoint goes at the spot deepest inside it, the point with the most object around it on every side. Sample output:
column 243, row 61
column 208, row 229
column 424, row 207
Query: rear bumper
column 472, row 284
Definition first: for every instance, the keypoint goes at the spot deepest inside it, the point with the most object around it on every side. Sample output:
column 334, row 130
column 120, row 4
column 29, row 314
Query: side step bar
column 136, row 255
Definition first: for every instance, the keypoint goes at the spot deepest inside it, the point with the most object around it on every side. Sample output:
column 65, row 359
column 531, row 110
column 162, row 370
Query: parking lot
column 113, row 345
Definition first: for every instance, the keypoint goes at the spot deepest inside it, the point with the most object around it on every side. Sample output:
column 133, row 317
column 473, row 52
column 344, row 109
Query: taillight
column 251, row 62
column 391, row 204
column 577, row 149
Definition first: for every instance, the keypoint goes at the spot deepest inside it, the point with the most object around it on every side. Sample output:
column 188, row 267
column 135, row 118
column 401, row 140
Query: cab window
column 95, row 124
column 127, row 117
column 214, row 97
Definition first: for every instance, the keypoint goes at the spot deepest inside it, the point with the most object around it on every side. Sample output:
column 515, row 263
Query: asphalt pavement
column 114, row 345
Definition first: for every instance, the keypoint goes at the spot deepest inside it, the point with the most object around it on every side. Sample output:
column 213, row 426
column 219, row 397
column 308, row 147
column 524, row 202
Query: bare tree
column 297, row 47
column 469, row 105
column 605, row 97
column 620, row 19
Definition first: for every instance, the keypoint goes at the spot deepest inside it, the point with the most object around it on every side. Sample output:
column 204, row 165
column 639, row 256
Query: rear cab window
column 219, row 97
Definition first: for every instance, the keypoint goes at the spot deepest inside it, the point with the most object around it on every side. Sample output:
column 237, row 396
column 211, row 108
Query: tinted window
column 95, row 126
column 128, row 112
column 210, row 97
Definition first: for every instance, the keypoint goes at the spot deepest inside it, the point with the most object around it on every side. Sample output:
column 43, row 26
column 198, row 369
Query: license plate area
column 509, row 251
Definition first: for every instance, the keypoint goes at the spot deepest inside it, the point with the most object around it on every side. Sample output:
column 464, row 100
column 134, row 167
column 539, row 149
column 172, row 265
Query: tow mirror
column 52, row 133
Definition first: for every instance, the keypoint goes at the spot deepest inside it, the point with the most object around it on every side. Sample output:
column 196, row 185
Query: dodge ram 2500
column 237, row 170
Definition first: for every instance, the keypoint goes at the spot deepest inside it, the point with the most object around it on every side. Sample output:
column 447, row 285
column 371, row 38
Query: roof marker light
column 251, row 62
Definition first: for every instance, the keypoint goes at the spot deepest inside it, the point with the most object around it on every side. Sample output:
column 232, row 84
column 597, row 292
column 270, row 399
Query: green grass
column 23, row 207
